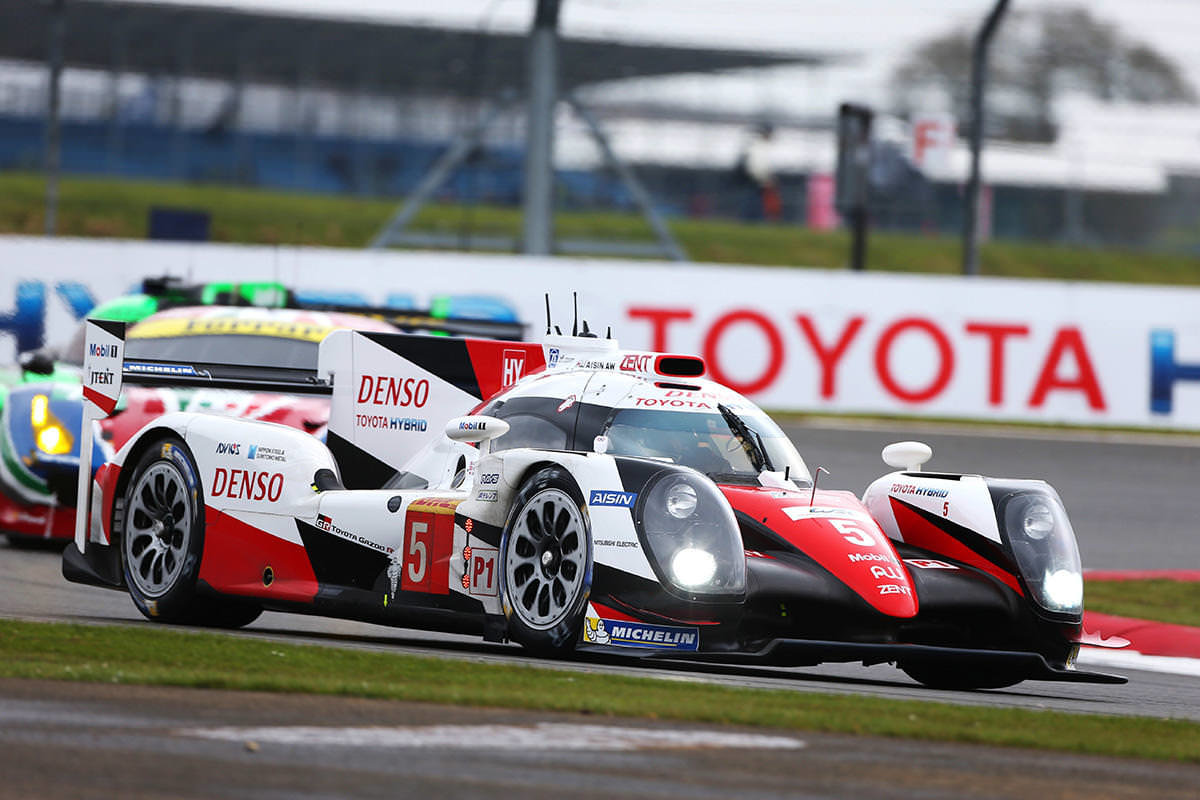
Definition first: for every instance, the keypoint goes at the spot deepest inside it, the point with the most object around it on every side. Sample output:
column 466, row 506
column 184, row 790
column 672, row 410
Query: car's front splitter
column 805, row 652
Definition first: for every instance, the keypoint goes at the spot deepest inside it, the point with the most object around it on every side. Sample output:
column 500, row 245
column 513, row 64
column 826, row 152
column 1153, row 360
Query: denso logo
column 514, row 367
column 383, row 390
column 247, row 484
column 229, row 449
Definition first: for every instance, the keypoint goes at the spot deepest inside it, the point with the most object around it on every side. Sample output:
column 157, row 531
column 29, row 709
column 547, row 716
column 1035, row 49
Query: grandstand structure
column 309, row 103
column 233, row 93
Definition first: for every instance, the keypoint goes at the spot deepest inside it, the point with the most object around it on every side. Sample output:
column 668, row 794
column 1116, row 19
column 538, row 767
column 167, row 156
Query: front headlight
column 692, row 566
column 1043, row 544
column 1038, row 521
column 1063, row 588
column 691, row 534
column 49, row 434
column 681, row 500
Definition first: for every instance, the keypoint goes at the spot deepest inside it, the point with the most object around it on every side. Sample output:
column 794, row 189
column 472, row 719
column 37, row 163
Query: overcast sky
column 885, row 27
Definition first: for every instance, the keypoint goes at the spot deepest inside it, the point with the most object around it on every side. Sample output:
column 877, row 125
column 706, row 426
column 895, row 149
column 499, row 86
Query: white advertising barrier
column 793, row 339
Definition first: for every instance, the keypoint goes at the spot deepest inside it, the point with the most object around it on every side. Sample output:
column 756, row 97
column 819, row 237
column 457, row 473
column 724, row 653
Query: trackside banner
column 804, row 340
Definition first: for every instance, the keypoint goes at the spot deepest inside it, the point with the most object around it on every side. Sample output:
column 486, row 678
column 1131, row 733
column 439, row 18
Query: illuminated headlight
column 1063, row 590
column 1043, row 545
column 693, row 567
column 691, row 534
column 39, row 410
column 681, row 501
column 1038, row 521
column 49, row 434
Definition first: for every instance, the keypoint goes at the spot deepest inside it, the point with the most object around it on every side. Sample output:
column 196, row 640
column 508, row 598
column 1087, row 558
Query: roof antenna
column 575, row 318
column 587, row 333
column 547, row 313
column 609, row 334
column 816, row 477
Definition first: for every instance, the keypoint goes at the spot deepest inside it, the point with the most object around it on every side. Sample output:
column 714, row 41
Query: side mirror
column 908, row 456
column 38, row 362
column 475, row 428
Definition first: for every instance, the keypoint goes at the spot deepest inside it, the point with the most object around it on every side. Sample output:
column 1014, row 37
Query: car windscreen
column 226, row 349
column 704, row 442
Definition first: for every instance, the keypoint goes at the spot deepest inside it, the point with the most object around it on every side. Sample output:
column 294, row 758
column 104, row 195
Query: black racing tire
column 546, row 563
column 162, row 541
column 940, row 675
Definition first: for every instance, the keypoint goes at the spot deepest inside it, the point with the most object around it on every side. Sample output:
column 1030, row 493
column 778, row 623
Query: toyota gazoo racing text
column 574, row 495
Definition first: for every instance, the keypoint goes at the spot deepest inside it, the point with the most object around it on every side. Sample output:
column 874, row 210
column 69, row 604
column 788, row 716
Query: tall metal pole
column 539, row 149
column 58, row 26
column 979, row 55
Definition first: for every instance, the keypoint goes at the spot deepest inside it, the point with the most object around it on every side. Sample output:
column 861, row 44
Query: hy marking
column 543, row 736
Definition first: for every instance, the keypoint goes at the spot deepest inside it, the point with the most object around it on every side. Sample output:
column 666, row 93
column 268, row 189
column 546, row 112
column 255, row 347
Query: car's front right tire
column 546, row 563
column 162, row 541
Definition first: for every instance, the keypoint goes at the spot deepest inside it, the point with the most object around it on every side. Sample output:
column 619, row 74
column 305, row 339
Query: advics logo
column 229, row 448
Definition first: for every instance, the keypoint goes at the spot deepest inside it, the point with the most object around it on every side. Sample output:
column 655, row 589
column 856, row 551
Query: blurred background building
column 1093, row 137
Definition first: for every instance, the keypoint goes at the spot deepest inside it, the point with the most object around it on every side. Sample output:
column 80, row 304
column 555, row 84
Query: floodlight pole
column 538, row 201
column 979, row 55
column 53, row 154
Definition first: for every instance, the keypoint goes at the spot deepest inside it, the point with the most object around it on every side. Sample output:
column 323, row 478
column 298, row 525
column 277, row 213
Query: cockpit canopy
column 702, row 425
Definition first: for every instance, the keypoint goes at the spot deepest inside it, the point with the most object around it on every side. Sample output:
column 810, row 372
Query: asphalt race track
column 101, row 741
column 1132, row 503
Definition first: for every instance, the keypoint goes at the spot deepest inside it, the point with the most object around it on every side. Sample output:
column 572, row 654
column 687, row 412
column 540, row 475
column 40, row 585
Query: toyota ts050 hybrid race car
column 570, row 495
column 39, row 453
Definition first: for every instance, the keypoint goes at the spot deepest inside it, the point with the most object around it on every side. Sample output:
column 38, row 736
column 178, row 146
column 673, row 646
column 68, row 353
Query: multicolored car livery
column 574, row 495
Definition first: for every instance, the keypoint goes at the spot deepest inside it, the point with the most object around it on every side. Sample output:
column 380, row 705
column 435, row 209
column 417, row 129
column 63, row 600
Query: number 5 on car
column 428, row 542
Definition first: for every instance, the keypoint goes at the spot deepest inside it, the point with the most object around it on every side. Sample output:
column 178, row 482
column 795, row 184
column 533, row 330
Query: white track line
column 542, row 736
column 1132, row 659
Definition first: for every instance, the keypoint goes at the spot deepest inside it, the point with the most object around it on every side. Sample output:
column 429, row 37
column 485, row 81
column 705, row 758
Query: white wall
column 945, row 346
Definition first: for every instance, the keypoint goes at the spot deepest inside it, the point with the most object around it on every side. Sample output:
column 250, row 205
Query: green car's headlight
column 49, row 434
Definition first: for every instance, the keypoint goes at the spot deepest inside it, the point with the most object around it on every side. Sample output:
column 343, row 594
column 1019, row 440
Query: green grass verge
column 154, row 656
column 107, row 207
column 1176, row 602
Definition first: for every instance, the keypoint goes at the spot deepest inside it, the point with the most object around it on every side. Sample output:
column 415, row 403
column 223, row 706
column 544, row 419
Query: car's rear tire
column 546, row 563
column 162, row 541
column 938, row 675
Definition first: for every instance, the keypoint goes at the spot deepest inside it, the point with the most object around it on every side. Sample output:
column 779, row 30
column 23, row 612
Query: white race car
column 570, row 494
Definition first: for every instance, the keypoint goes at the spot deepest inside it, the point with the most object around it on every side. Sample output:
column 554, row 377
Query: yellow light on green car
column 39, row 410
column 51, row 437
